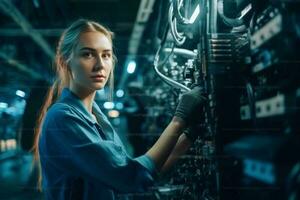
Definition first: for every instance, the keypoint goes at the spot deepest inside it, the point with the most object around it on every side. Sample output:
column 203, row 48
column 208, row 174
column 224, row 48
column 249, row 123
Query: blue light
column 120, row 93
column 20, row 93
column 3, row 105
column 108, row 105
column 263, row 171
column 119, row 106
column 131, row 67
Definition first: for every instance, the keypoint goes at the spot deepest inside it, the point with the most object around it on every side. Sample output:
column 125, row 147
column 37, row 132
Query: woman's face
column 92, row 62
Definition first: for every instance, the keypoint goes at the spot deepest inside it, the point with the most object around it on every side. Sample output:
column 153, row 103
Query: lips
column 98, row 77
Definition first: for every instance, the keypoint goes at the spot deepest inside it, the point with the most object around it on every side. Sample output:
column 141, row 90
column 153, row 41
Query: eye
column 87, row 54
column 106, row 55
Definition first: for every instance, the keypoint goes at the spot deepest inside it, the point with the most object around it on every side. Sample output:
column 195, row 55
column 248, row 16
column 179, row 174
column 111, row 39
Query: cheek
column 84, row 66
column 78, row 69
column 109, row 66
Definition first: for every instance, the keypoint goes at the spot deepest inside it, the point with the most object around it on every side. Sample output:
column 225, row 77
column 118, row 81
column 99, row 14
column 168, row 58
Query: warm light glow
column 113, row 113
column 2, row 145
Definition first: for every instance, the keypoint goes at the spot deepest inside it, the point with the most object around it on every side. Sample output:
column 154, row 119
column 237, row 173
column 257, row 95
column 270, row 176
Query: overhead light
column 195, row 14
column 3, row 105
column 131, row 66
column 108, row 105
column 120, row 93
column 20, row 93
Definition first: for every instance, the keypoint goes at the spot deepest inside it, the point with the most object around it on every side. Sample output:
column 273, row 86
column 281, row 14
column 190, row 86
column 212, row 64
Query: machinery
column 243, row 53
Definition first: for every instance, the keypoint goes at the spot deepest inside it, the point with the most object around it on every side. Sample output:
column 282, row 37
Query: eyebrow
column 91, row 49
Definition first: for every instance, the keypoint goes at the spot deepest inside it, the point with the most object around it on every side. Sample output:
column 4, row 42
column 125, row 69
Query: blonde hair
column 66, row 45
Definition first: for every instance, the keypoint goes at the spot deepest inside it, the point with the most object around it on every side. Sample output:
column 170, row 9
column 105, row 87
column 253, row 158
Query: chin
column 98, row 86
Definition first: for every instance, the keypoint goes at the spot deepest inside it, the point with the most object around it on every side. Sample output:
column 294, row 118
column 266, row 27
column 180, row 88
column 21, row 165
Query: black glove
column 189, row 104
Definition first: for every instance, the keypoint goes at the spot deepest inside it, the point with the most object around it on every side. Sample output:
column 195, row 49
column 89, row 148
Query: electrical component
column 265, row 108
column 268, row 26
column 228, row 48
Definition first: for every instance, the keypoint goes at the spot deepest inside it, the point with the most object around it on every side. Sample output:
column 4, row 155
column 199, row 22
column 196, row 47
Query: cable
column 177, row 14
column 170, row 53
column 252, row 22
column 165, row 78
column 156, row 63
column 229, row 21
column 178, row 37
column 182, row 52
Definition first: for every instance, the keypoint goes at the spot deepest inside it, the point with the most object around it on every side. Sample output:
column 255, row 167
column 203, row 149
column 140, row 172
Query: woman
column 81, row 156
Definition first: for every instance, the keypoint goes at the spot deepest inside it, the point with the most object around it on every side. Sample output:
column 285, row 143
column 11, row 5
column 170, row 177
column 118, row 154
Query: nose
column 99, row 64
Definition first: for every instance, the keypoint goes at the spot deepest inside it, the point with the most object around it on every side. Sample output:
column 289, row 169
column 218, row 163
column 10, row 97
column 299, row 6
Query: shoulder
column 60, row 109
column 61, row 113
column 63, row 117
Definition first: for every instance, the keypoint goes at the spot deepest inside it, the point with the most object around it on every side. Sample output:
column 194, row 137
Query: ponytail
column 53, row 93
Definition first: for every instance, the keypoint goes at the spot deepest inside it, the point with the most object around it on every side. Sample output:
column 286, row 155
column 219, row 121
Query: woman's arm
column 186, row 110
column 181, row 147
column 163, row 147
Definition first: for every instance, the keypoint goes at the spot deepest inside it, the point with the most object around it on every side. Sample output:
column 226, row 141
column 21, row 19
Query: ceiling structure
column 29, row 31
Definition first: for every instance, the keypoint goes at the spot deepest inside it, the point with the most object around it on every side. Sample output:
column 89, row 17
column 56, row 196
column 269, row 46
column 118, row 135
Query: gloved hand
column 189, row 104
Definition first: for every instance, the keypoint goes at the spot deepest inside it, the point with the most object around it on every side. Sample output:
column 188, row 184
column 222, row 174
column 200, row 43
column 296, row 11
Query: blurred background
column 243, row 53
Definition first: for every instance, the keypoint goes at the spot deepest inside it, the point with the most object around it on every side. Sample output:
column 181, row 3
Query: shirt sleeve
column 74, row 147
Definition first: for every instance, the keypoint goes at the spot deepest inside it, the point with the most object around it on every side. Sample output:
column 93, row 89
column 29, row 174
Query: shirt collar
column 67, row 96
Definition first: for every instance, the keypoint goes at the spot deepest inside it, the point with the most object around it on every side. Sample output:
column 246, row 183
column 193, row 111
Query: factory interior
column 243, row 55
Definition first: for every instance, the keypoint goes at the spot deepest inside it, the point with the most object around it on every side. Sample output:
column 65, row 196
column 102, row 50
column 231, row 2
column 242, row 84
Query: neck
column 86, row 96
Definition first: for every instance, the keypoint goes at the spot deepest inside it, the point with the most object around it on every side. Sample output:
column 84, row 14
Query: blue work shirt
column 83, row 158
